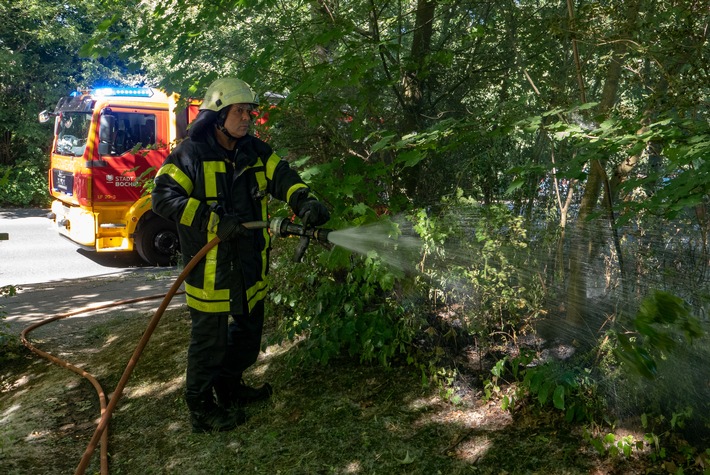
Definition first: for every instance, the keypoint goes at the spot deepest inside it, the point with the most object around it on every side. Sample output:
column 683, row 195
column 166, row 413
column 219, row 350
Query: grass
column 345, row 418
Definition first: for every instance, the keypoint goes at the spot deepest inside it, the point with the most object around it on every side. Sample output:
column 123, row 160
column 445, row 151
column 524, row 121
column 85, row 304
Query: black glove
column 313, row 213
column 230, row 227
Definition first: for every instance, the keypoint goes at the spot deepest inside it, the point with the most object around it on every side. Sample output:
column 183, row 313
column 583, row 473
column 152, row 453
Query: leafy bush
column 662, row 323
column 346, row 303
column 567, row 386
column 24, row 184
column 476, row 259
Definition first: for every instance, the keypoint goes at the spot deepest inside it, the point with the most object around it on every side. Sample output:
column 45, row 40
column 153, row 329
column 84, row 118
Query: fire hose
column 279, row 227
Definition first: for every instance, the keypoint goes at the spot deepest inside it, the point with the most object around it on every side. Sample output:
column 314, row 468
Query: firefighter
column 212, row 182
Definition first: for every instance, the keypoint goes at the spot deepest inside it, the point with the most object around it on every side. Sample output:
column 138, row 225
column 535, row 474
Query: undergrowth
column 344, row 417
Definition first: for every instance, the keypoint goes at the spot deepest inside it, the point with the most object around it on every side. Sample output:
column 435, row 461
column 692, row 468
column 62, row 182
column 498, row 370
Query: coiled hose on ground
column 101, row 432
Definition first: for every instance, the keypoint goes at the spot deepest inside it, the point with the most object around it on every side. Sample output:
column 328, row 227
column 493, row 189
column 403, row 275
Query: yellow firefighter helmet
column 227, row 91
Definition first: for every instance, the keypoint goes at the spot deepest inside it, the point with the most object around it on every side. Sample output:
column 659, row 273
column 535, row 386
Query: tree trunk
column 415, row 70
column 414, row 73
column 581, row 250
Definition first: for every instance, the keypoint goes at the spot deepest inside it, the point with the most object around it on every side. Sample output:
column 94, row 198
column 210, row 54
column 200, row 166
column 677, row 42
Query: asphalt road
column 52, row 275
column 35, row 252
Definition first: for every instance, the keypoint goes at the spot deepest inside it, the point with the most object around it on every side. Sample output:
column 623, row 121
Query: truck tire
column 157, row 242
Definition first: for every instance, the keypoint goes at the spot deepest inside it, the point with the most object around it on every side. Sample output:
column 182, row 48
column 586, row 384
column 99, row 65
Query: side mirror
column 44, row 117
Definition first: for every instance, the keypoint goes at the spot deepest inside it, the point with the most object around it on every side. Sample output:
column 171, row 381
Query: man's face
column 239, row 119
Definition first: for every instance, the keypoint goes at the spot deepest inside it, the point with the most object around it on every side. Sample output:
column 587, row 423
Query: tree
column 399, row 105
column 39, row 64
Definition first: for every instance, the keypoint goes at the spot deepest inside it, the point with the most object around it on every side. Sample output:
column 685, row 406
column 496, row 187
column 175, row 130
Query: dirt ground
column 35, row 302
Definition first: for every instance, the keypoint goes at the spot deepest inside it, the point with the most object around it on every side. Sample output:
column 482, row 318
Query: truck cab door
column 132, row 146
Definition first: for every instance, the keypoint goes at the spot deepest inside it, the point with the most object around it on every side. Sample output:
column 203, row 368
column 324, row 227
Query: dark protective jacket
column 201, row 181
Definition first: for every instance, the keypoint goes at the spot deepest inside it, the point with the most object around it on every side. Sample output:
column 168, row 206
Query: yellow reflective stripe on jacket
column 188, row 214
column 211, row 274
column 260, row 180
column 290, row 191
column 208, row 307
column 178, row 175
column 256, row 293
column 271, row 164
column 207, row 294
column 211, row 170
column 208, row 299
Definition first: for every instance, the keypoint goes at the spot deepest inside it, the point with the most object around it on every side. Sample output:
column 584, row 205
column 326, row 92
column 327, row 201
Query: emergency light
column 123, row 91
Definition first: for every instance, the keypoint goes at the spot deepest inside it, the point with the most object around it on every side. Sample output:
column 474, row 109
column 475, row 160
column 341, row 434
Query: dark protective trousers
column 221, row 347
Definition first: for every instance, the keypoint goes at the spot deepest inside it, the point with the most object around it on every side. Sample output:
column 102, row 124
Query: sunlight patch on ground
column 155, row 389
column 469, row 418
column 259, row 369
column 175, row 427
column 474, row 425
column 423, row 403
column 7, row 412
column 110, row 340
column 37, row 435
column 90, row 297
column 271, row 351
column 353, row 467
column 21, row 381
column 473, row 448
column 234, row 445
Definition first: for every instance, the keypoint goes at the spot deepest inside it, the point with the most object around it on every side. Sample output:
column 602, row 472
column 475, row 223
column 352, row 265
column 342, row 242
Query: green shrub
column 476, row 259
column 344, row 304
column 24, row 184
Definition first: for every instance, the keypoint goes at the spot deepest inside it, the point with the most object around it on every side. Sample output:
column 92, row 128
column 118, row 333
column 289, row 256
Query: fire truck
column 108, row 144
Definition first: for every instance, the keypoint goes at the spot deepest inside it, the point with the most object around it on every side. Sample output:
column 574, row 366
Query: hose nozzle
column 282, row 227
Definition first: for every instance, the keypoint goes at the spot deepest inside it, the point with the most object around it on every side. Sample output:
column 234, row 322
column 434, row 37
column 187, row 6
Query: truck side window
column 132, row 130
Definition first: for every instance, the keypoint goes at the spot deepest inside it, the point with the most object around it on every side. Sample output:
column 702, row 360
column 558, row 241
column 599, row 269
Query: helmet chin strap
column 224, row 130
column 219, row 124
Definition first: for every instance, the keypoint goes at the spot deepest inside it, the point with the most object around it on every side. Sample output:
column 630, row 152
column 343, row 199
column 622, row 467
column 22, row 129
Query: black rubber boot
column 243, row 394
column 223, row 394
column 232, row 393
column 206, row 416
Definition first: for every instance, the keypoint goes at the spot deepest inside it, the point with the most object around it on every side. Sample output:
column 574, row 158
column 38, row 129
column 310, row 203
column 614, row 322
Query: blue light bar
column 123, row 91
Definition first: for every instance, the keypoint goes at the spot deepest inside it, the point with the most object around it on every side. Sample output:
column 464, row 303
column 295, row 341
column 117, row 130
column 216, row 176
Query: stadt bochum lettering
column 121, row 180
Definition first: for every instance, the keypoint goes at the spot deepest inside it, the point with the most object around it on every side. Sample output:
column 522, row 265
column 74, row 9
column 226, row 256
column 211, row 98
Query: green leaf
column 587, row 105
column 517, row 183
column 106, row 24
column 497, row 369
column 569, row 415
column 382, row 143
column 558, row 398
column 360, row 209
column 410, row 158
column 408, row 459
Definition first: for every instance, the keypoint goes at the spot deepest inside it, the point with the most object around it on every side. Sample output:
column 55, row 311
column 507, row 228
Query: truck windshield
column 73, row 132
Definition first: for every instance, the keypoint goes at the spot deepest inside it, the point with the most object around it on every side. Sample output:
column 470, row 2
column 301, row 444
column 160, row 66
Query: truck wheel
column 157, row 242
